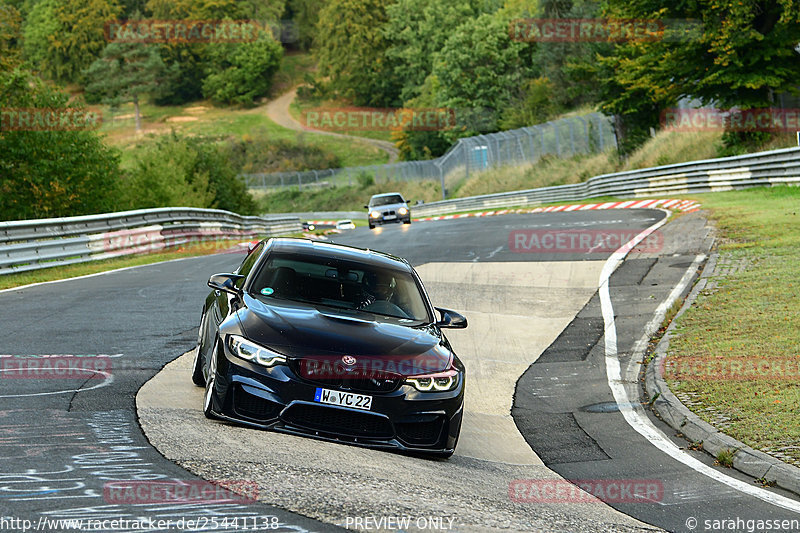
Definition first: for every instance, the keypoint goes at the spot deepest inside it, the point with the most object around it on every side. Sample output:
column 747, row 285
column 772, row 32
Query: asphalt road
column 64, row 439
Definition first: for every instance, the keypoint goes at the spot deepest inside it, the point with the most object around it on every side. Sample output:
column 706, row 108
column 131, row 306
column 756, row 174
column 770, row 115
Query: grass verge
column 736, row 351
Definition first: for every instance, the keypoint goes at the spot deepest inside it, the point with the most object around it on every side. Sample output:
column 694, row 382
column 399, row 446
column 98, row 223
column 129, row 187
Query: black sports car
column 333, row 342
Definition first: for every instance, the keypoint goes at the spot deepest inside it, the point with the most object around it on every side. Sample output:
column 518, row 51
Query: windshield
column 386, row 200
column 340, row 284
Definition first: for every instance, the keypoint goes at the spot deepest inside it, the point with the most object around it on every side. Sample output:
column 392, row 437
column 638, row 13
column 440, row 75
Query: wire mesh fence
column 563, row 138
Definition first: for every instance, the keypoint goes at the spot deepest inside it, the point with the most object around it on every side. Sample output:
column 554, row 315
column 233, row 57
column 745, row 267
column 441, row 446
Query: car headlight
column 250, row 351
column 403, row 211
column 439, row 382
column 375, row 214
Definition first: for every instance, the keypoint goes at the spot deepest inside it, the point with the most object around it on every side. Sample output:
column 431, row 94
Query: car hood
column 319, row 333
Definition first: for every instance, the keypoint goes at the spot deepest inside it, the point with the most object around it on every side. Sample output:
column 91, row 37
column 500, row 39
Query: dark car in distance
column 332, row 342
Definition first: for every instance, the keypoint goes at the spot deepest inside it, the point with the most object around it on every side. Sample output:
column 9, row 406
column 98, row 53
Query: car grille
column 422, row 432
column 252, row 406
column 339, row 421
column 378, row 383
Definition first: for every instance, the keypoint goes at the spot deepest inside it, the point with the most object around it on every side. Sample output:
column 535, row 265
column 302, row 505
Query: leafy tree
column 191, row 58
column 124, row 73
column 414, row 145
column 564, row 63
column 10, row 33
column 238, row 73
column 480, row 68
column 305, row 14
column 350, row 48
column 416, row 31
column 177, row 171
column 63, row 37
column 744, row 54
column 51, row 173
column 536, row 104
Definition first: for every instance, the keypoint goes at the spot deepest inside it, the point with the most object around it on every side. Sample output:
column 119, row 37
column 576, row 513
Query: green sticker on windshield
column 267, row 291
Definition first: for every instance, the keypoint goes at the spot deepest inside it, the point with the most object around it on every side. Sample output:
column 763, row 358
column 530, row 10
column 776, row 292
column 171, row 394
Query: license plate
column 390, row 217
column 345, row 399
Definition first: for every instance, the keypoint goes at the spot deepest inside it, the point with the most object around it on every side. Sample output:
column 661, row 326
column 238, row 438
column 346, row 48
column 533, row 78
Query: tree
column 10, row 33
column 51, row 173
column 124, row 72
column 305, row 14
column 744, row 54
column 537, row 103
column 191, row 58
column 63, row 37
column 350, row 48
column 238, row 73
column 479, row 69
column 416, row 30
column 175, row 170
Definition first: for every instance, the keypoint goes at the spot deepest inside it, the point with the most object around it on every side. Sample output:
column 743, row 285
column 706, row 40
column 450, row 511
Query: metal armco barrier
column 775, row 167
column 34, row 244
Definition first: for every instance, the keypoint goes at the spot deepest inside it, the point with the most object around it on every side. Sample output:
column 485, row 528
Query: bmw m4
column 333, row 342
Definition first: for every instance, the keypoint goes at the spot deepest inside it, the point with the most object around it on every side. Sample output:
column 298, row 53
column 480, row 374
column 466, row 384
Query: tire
column 197, row 366
column 407, row 221
column 372, row 226
column 208, row 397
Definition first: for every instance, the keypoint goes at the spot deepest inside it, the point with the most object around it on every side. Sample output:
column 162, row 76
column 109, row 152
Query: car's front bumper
column 278, row 399
column 398, row 219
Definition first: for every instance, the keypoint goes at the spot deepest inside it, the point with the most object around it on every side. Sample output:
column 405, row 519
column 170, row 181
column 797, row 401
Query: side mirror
column 366, row 207
column 225, row 283
column 451, row 319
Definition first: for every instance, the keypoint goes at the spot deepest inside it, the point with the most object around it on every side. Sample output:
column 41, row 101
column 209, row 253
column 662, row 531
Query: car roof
column 387, row 194
column 338, row 251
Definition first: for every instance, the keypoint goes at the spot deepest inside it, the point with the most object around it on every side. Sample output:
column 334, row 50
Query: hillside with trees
column 464, row 55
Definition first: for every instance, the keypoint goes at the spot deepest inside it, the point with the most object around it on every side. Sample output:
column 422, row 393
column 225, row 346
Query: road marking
column 636, row 417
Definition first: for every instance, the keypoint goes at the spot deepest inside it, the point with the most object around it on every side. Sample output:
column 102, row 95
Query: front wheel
column 208, row 397
column 372, row 226
column 197, row 365
column 407, row 221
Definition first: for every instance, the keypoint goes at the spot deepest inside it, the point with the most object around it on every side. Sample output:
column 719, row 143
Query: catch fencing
column 35, row 244
column 566, row 137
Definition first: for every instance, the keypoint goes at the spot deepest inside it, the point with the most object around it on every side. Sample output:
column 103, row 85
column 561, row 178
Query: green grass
column 343, row 198
column 752, row 316
column 292, row 72
column 82, row 269
column 202, row 118
column 298, row 107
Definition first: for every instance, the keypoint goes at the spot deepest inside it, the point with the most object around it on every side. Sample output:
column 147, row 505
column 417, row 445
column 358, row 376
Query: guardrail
column 34, row 244
column 751, row 170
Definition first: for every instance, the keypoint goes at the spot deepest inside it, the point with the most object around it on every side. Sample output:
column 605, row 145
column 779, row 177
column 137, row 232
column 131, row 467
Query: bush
column 365, row 180
column 258, row 153
column 51, row 173
column 238, row 73
column 176, row 171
